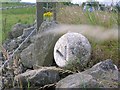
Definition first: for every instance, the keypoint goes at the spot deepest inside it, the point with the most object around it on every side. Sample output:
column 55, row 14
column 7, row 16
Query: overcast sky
column 76, row 1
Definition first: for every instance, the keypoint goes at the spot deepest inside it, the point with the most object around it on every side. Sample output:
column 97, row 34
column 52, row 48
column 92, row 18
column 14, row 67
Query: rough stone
column 72, row 48
column 5, row 44
column 27, row 56
column 46, row 25
column 27, row 31
column 12, row 45
column 40, row 77
column 78, row 81
column 17, row 30
column 105, row 72
column 44, row 46
column 1, row 58
column 1, row 86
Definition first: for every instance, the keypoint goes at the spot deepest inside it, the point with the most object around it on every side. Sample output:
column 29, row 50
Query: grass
column 104, row 50
column 71, row 15
column 100, row 50
column 75, row 15
column 13, row 16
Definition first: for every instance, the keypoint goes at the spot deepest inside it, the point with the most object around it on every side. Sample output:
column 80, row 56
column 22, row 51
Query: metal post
column 39, row 13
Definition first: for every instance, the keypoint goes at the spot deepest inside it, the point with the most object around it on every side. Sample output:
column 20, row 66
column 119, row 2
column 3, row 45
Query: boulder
column 44, row 47
column 78, row 80
column 102, row 75
column 41, row 76
column 27, row 56
column 105, row 72
column 72, row 49
column 17, row 30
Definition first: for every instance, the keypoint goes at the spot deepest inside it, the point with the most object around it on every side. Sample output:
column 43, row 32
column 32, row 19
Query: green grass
column 12, row 4
column 104, row 50
column 13, row 16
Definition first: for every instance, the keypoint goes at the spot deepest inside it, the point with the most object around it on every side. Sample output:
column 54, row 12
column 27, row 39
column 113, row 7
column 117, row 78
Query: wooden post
column 55, row 15
column 39, row 13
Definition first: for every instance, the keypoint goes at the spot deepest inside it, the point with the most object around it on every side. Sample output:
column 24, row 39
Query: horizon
column 80, row 1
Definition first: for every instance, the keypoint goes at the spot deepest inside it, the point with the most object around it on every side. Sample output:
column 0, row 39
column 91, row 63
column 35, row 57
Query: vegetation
column 75, row 15
column 71, row 15
column 12, row 4
column 13, row 16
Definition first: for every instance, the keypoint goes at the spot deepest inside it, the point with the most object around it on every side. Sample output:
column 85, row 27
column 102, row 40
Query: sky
column 77, row 1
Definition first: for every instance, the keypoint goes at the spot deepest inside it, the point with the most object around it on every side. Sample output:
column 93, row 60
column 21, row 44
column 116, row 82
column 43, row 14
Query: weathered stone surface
column 47, row 25
column 12, row 45
column 5, row 44
column 40, row 77
column 27, row 31
column 105, row 72
column 44, row 46
column 1, row 84
column 72, row 48
column 102, row 75
column 78, row 81
column 17, row 30
column 27, row 56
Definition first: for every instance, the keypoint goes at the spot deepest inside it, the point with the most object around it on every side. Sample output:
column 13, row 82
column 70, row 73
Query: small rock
column 27, row 31
column 12, row 45
column 17, row 30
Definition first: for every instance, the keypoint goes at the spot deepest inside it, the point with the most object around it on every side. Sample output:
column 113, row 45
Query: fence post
column 55, row 15
column 39, row 13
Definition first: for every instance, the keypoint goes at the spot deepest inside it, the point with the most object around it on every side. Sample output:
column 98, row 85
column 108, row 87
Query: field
column 12, row 4
column 70, row 15
column 13, row 16
column 75, row 15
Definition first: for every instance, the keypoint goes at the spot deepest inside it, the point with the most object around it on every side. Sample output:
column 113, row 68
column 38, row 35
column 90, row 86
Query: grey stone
column 19, row 39
column 72, row 49
column 1, row 59
column 1, row 83
column 44, row 46
column 40, row 77
column 25, row 45
column 27, row 31
column 105, row 72
column 12, row 45
column 46, row 25
column 27, row 58
column 17, row 30
column 78, row 81
column 5, row 44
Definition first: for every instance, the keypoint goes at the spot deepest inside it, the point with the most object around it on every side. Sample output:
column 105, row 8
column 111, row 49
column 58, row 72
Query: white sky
column 75, row 1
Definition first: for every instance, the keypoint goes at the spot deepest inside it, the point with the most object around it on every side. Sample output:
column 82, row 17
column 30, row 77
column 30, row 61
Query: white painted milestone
column 72, row 48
